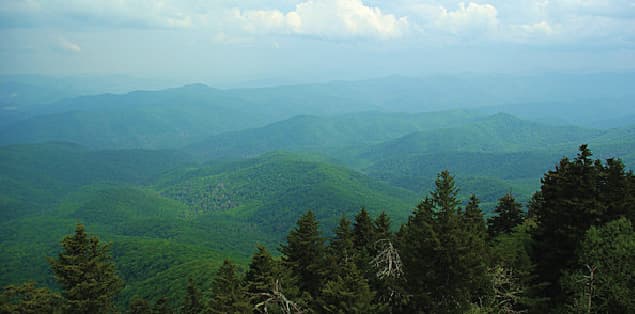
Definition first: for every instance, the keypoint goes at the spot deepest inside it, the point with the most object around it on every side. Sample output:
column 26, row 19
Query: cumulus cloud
column 68, row 45
column 472, row 17
column 435, row 21
column 331, row 19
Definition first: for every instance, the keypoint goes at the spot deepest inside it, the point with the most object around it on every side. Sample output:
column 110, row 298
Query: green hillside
column 33, row 178
column 274, row 189
column 496, row 133
column 150, row 120
column 337, row 135
column 150, row 233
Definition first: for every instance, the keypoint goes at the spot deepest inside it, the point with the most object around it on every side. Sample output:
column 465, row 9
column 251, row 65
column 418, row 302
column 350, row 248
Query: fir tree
column 86, row 273
column 417, row 243
column 444, row 260
column 229, row 296
column 341, row 246
column 382, row 227
column 261, row 276
column 475, row 252
column 363, row 231
column 508, row 215
column 363, row 241
column 570, row 205
column 348, row 292
column 304, row 254
column 193, row 301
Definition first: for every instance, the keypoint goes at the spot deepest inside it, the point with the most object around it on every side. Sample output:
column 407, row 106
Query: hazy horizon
column 229, row 43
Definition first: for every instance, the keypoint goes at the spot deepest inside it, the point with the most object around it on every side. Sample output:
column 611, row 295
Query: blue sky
column 227, row 40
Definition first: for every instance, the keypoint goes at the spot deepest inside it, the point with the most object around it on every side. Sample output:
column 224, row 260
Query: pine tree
column 341, row 245
column 348, row 292
column 417, row 242
column 363, row 231
column 304, row 253
column 86, row 273
column 476, row 253
column 508, row 215
column 261, row 276
column 618, row 191
column 268, row 285
column 229, row 296
column 570, row 205
column 382, row 227
column 193, row 301
column 443, row 259
column 364, row 241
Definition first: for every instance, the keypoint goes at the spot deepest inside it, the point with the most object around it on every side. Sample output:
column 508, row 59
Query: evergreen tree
column 193, row 301
column 382, row 227
column 604, row 281
column 139, row 306
column 304, row 254
column 417, row 242
column 268, row 284
column 535, row 203
column 363, row 241
column 617, row 191
column 511, row 254
column 348, row 292
column 29, row 299
column 508, row 215
column 445, row 261
column 475, row 253
column 228, row 294
column 574, row 198
column 341, row 246
column 86, row 273
column 473, row 218
column 363, row 231
column 261, row 274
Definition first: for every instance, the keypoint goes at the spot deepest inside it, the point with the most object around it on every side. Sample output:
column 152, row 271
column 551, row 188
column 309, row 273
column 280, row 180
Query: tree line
column 571, row 251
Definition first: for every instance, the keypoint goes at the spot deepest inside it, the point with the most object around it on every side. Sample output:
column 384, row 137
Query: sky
column 307, row 40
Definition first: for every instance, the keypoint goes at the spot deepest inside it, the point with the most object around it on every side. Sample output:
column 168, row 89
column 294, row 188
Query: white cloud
column 464, row 22
column 69, row 46
column 472, row 17
column 331, row 19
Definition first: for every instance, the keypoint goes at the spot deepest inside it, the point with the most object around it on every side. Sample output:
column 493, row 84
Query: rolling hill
column 274, row 189
column 336, row 135
column 496, row 133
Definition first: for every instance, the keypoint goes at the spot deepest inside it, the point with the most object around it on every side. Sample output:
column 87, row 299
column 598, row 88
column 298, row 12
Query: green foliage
column 29, row 299
column 578, row 194
column 508, row 214
column 341, row 247
column 348, row 292
column 193, row 300
column 444, row 258
column 85, row 272
column 604, row 281
column 228, row 294
column 303, row 254
column 271, row 189
column 139, row 306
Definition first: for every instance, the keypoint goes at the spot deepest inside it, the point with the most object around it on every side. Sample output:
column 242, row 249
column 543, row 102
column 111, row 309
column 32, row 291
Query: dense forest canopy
column 571, row 250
